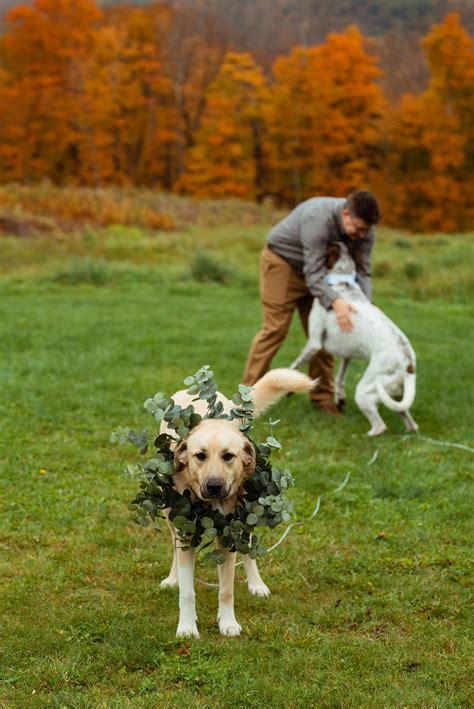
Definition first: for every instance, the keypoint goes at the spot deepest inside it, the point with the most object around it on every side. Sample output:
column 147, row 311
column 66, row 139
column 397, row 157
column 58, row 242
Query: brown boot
column 327, row 407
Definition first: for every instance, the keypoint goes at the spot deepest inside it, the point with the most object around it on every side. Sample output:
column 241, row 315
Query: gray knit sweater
column 302, row 239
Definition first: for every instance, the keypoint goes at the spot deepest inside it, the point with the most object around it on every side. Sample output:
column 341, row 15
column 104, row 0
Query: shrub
column 412, row 270
column 382, row 269
column 84, row 270
column 403, row 244
column 205, row 267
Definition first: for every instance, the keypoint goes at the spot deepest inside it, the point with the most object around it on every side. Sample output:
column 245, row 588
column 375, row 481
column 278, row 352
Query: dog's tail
column 275, row 384
column 409, row 389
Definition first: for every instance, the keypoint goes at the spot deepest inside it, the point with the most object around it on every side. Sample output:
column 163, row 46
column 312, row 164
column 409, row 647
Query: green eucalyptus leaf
column 179, row 521
column 271, row 441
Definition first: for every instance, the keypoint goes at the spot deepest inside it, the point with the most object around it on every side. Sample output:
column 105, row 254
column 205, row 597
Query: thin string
column 372, row 460
column 288, row 529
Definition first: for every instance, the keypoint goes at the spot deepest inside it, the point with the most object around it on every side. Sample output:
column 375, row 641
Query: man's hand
column 343, row 311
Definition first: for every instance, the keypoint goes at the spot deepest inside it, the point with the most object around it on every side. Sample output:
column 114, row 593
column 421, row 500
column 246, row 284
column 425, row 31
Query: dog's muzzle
column 214, row 488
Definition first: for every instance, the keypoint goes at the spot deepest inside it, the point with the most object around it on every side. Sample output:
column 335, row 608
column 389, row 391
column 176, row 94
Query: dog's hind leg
column 366, row 399
column 226, row 616
column 316, row 321
column 187, row 626
column 410, row 424
column 340, row 385
column 254, row 581
column 171, row 581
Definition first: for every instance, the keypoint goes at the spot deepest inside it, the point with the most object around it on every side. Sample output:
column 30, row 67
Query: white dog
column 392, row 363
column 213, row 462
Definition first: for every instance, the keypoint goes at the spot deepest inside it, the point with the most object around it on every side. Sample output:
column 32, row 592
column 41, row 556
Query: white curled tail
column 275, row 384
column 409, row 390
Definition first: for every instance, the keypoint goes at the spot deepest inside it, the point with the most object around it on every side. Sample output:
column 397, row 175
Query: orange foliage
column 46, row 56
column 131, row 96
column 325, row 120
column 432, row 138
column 223, row 162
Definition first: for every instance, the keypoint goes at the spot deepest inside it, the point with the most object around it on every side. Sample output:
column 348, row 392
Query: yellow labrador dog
column 213, row 462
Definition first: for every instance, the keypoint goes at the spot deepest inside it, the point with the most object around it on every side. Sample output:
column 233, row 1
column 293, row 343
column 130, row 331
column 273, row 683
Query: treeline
column 134, row 96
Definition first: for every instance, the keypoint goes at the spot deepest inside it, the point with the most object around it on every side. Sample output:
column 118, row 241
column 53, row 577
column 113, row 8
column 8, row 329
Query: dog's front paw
column 259, row 589
column 230, row 628
column 169, row 582
column 187, row 630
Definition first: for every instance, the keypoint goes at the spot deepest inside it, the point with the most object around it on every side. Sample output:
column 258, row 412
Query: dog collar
column 334, row 279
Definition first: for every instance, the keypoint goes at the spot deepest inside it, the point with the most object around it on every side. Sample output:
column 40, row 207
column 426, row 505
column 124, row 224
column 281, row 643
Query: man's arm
column 363, row 270
column 314, row 238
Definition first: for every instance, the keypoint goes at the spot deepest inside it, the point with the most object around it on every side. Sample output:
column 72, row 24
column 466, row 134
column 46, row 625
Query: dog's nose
column 214, row 487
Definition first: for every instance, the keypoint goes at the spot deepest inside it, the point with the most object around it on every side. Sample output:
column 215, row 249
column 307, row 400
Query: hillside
column 253, row 23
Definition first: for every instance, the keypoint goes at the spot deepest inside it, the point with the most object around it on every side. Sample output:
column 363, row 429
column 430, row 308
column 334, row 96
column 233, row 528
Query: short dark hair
column 363, row 204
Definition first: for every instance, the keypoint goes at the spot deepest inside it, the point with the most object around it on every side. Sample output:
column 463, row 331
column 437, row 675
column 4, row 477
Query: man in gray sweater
column 293, row 272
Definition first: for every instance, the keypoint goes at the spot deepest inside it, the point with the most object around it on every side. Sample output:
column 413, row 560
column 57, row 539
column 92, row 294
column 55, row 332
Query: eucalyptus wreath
column 263, row 503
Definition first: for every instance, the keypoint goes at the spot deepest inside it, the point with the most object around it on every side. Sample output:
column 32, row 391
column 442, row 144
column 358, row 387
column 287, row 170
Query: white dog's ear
column 181, row 457
column 248, row 458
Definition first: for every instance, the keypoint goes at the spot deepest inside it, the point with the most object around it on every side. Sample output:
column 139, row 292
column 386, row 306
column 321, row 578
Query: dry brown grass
column 68, row 209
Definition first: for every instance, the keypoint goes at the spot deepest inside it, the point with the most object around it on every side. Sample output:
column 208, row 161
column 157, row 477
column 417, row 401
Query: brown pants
column 283, row 291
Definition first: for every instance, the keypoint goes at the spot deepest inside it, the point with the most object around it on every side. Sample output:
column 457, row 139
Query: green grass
column 90, row 327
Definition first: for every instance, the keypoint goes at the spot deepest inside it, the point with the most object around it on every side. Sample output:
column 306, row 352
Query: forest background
column 262, row 101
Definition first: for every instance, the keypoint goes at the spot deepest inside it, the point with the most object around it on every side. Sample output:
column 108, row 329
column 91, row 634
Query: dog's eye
column 201, row 456
column 228, row 456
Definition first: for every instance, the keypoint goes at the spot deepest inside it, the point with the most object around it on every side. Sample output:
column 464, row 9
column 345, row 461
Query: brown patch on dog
column 181, row 457
column 332, row 255
column 334, row 251
column 249, row 458
column 411, row 369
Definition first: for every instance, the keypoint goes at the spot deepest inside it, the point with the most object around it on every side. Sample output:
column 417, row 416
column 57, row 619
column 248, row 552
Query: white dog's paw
column 169, row 582
column 377, row 430
column 187, row 630
column 230, row 628
column 259, row 589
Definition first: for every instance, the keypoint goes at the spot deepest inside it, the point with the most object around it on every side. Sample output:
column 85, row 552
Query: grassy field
column 370, row 600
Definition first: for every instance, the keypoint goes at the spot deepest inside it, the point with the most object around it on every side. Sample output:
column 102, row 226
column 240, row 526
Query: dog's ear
column 332, row 255
column 181, row 457
column 248, row 458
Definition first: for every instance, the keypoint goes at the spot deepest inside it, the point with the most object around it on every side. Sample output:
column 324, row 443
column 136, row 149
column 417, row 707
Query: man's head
column 360, row 212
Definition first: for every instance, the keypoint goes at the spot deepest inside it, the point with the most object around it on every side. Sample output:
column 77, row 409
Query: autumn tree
column 325, row 119
column 290, row 126
column 45, row 56
column 86, row 100
column 141, row 106
column 433, row 138
column 226, row 159
column 192, row 55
